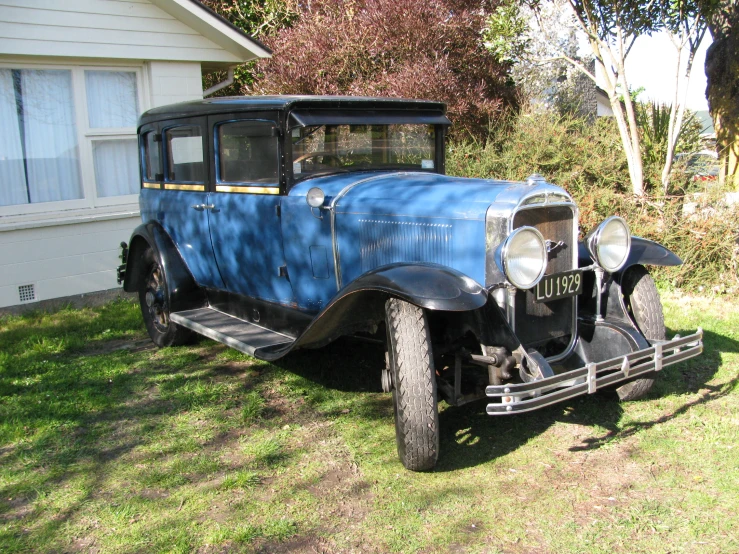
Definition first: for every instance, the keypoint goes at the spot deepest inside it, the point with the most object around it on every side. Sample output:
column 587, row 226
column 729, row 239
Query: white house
column 74, row 76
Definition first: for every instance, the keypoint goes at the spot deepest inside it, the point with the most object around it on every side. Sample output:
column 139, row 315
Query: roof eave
column 216, row 28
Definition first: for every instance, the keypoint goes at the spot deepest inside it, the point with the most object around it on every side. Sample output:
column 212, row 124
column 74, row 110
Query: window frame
column 440, row 130
column 142, row 155
column 85, row 138
column 217, row 152
column 200, row 122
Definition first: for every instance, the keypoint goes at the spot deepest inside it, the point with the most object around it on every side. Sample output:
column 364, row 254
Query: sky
column 651, row 64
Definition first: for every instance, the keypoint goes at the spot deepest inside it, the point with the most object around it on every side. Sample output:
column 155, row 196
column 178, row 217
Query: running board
column 240, row 335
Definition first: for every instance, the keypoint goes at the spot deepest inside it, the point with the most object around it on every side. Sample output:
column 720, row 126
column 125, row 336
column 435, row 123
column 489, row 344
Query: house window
column 39, row 142
column 112, row 107
column 67, row 137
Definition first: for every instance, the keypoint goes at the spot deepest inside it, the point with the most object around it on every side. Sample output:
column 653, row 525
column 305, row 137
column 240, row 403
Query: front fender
column 428, row 286
column 643, row 252
column 182, row 291
column 361, row 304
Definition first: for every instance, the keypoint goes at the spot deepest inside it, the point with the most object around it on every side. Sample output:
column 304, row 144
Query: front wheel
column 414, row 385
column 643, row 305
column 155, row 307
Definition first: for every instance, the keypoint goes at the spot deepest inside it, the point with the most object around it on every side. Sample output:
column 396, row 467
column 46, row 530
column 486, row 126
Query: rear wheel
column 414, row 385
column 155, row 307
column 643, row 304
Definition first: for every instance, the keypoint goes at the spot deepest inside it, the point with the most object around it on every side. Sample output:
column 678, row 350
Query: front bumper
column 525, row 397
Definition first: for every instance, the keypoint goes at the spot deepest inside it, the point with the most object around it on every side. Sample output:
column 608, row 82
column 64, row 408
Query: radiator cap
column 535, row 179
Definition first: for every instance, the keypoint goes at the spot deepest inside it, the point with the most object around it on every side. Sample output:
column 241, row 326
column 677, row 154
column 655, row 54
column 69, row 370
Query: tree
column 686, row 27
column 403, row 48
column 543, row 78
column 722, row 71
column 257, row 18
column 611, row 29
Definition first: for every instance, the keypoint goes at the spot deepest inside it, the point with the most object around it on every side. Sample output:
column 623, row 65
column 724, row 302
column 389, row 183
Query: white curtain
column 112, row 100
column 12, row 174
column 52, row 152
column 116, row 167
column 37, row 122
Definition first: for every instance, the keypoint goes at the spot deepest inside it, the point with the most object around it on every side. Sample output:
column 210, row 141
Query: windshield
column 325, row 149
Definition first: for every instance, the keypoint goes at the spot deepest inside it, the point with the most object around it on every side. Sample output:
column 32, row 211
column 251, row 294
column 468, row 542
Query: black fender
column 183, row 293
column 428, row 286
column 643, row 252
column 361, row 304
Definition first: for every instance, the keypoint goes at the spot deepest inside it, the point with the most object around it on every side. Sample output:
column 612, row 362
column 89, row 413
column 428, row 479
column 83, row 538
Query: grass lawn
column 108, row 445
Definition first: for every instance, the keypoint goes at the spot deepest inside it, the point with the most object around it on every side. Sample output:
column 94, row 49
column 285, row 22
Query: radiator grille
column 385, row 242
column 538, row 324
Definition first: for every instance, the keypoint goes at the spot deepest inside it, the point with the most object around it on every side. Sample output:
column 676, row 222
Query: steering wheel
column 315, row 154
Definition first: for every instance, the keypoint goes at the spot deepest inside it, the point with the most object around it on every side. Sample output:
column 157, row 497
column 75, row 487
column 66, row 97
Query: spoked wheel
column 414, row 385
column 645, row 308
column 155, row 308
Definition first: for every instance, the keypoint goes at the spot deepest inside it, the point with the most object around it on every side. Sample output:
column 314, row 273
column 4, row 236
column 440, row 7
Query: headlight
column 315, row 197
column 524, row 257
column 610, row 243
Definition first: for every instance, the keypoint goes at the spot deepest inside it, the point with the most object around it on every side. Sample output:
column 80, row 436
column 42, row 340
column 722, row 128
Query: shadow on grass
column 347, row 365
column 72, row 409
column 469, row 437
column 66, row 416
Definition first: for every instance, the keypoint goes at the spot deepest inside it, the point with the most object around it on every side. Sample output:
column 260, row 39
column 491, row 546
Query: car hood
column 421, row 194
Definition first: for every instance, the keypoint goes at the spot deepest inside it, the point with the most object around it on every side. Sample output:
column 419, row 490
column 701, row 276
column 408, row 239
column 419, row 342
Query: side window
column 247, row 153
column 185, row 154
column 151, row 157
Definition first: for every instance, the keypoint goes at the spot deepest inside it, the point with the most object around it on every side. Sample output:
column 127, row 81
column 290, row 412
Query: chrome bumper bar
column 526, row 397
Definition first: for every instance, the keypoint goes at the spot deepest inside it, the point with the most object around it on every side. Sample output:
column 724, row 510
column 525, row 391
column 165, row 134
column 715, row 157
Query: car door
column 178, row 196
column 245, row 219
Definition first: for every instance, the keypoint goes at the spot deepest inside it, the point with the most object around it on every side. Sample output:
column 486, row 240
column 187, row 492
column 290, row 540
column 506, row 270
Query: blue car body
column 275, row 223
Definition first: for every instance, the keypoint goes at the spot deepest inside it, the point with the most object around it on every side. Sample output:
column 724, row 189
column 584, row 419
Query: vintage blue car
column 276, row 223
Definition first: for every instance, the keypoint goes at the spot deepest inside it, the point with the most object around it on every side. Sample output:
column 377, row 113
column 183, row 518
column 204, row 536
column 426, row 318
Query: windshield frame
column 408, row 119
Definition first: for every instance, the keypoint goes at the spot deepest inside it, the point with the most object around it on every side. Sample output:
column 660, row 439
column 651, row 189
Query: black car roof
column 227, row 104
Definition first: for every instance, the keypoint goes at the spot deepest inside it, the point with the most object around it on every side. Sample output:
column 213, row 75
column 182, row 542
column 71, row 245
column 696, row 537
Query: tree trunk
column 623, row 112
column 722, row 71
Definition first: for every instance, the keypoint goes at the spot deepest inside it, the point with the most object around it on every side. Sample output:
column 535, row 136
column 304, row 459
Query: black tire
column 645, row 309
column 414, row 385
column 155, row 308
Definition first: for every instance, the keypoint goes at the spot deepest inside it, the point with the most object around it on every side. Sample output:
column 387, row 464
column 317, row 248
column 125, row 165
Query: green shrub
column 567, row 150
column 588, row 161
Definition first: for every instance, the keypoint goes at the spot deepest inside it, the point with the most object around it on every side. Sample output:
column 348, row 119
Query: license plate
column 559, row 285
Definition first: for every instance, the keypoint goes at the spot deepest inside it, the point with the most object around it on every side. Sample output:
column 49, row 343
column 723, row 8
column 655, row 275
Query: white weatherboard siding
column 62, row 257
column 114, row 29
column 61, row 260
column 171, row 82
column 72, row 249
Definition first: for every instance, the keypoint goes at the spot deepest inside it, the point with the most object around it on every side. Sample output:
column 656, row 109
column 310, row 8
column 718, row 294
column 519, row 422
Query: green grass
column 109, row 445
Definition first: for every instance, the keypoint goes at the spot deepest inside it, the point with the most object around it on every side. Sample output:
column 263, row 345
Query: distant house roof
column 704, row 116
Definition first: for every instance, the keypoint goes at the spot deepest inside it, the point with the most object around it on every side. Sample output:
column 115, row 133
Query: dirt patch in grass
column 15, row 508
column 86, row 545
column 98, row 348
column 309, row 544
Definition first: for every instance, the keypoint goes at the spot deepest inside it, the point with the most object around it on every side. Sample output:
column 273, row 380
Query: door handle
column 201, row 207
